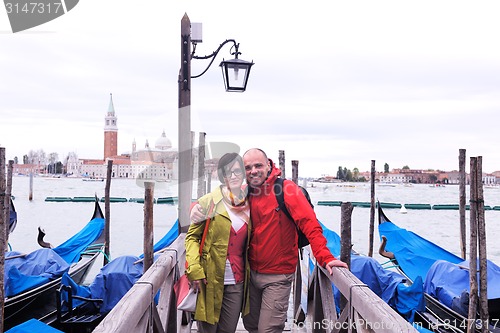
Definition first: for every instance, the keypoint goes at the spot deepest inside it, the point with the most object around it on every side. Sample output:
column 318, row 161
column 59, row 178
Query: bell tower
column 110, row 131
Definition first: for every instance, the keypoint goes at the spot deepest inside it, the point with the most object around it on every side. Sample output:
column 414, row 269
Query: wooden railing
column 363, row 310
column 136, row 312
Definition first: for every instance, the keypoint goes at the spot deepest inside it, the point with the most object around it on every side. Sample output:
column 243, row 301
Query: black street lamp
column 235, row 73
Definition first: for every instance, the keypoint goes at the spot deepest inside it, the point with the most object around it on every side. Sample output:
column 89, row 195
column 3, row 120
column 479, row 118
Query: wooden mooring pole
column 209, row 180
column 345, row 237
column 372, row 209
column 345, row 232
column 30, row 195
column 281, row 160
column 3, row 230
column 295, row 171
column 148, row 224
column 473, row 246
column 461, row 190
column 477, row 241
column 201, row 165
column 481, row 234
column 8, row 194
column 107, row 213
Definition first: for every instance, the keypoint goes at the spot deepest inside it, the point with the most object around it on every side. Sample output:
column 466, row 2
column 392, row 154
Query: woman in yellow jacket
column 221, row 273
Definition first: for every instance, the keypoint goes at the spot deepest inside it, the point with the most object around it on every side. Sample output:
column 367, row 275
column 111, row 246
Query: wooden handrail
column 136, row 311
column 376, row 313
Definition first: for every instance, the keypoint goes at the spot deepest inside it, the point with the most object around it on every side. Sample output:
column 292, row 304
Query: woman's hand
column 197, row 214
column 197, row 283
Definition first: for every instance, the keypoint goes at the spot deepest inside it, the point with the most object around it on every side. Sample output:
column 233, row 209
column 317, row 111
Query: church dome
column 163, row 142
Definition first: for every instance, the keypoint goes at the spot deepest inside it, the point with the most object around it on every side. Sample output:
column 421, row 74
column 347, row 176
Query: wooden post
column 372, row 209
column 30, row 196
column 8, row 194
column 3, row 229
column 193, row 136
column 209, row 180
column 345, row 232
column 473, row 247
column 481, row 234
column 461, row 181
column 345, row 238
column 107, row 213
column 295, row 171
column 148, row 224
column 281, row 160
column 201, row 165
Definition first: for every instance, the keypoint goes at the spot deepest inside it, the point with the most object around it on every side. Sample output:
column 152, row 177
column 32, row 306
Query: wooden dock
column 364, row 310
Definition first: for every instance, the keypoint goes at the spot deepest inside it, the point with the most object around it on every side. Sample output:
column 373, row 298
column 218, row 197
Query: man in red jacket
column 273, row 249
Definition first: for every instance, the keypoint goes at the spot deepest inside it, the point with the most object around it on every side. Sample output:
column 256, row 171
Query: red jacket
column 273, row 244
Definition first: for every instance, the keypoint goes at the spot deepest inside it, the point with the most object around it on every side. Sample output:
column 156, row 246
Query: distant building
column 156, row 163
column 396, row 178
column 110, row 131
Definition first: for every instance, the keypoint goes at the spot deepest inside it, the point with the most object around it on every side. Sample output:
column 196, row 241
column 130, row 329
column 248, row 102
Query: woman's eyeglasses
column 236, row 172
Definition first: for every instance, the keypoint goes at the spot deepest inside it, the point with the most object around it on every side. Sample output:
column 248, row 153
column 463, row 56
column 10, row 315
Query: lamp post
column 235, row 74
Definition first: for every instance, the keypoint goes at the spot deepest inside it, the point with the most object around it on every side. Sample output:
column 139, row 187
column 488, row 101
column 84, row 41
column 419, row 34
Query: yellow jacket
column 213, row 259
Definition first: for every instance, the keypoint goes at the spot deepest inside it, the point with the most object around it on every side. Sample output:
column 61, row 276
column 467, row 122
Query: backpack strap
column 280, row 196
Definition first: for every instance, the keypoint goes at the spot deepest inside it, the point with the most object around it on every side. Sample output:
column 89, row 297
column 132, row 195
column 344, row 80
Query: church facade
column 156, row 163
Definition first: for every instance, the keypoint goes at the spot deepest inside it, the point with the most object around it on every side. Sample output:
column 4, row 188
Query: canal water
column 60, row 220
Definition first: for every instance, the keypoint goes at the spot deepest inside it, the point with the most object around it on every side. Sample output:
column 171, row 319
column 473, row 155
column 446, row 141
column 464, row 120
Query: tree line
column 353, row 176
column 39, row 157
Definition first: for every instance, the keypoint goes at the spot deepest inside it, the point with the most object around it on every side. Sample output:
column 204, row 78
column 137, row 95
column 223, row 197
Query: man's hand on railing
column 335, row 263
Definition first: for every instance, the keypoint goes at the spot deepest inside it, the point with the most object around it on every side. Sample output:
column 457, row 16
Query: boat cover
column 41, row 266
column 116, row 278
column 71, row 249
column 390, row 286
column 449, row 283
column 32, row 326
column 415, row 255
column 113, row 281
column 32, row 270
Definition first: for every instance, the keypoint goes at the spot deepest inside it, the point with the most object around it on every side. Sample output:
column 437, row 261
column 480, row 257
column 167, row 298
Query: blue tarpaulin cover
column 33, row 270
column 390, row 286
column 449, row 283
column 444, row 279
column 33, row 326
column 43, row 265
column 71, row 249
column 415, row 255
column 114, row 280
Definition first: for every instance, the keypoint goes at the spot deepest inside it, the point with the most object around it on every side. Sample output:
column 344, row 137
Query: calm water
column 62, row 219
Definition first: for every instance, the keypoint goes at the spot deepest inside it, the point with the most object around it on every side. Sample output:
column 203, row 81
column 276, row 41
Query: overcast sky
column 335, row 83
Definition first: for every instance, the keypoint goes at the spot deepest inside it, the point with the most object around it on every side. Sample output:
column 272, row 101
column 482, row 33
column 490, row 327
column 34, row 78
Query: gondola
column 82, row 307
column 12, row 217
column 405, row 298
column 32, row 279
column 445, row 275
